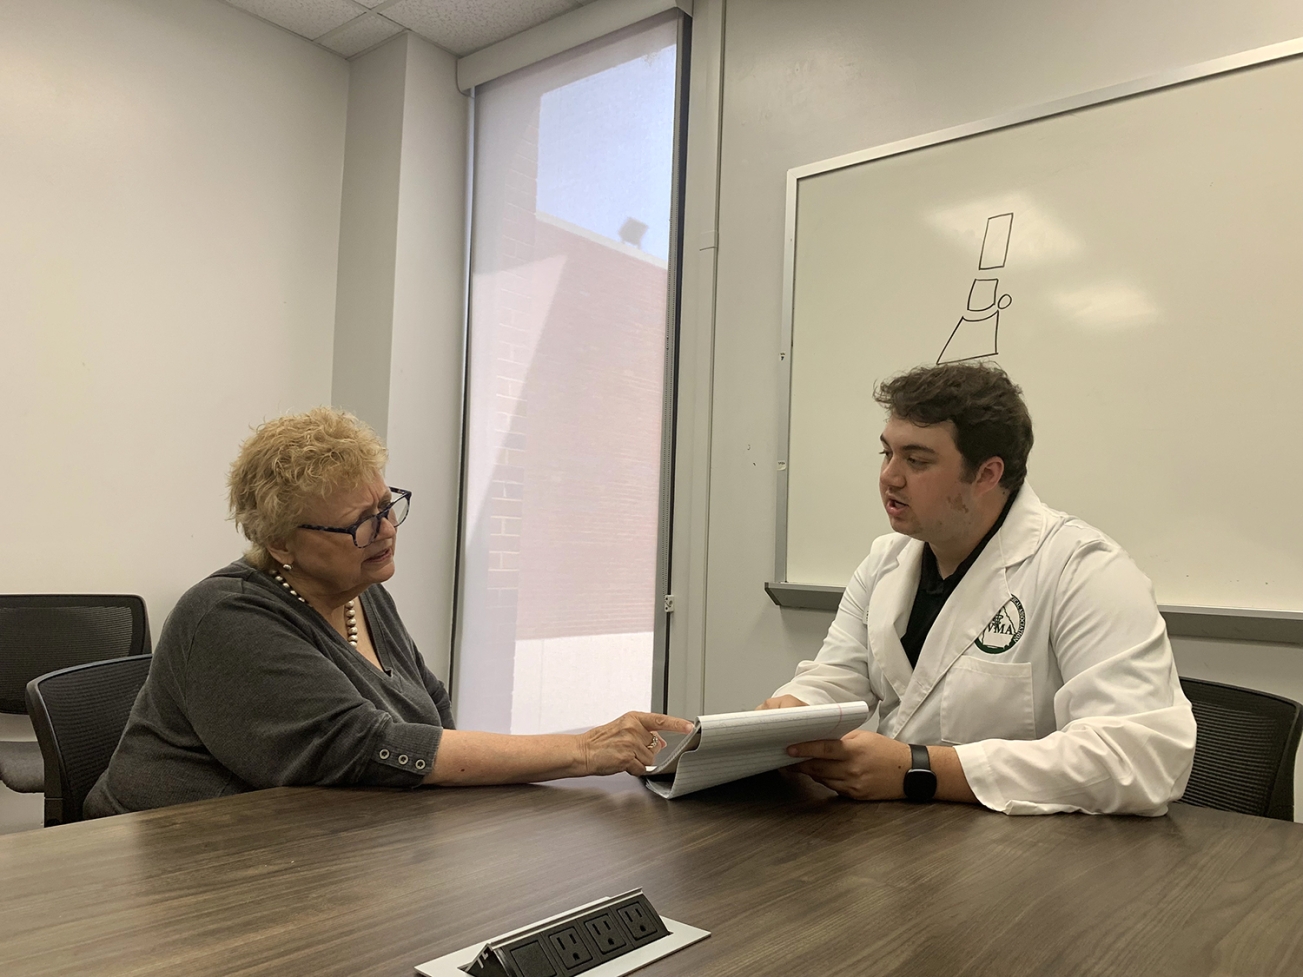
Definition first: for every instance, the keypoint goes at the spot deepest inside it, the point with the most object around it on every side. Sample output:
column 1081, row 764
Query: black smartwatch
column 920, row 781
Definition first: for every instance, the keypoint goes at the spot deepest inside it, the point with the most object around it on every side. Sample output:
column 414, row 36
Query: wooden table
column 790, row 879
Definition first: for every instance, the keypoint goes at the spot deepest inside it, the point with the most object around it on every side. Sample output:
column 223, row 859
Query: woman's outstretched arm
column 467, row 757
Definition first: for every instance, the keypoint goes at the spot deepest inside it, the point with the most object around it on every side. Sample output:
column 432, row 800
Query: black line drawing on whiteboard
column 982, row 295
column 973, row 339
column 977, row 333
column 995, row 242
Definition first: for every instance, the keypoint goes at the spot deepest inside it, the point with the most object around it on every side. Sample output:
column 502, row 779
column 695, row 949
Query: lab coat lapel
column 977, row 599
column 888, row 615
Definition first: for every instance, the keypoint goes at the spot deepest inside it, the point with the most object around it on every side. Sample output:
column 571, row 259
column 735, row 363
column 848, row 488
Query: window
column 567, row 430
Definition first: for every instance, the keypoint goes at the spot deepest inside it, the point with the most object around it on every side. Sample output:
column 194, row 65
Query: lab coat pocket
column 982, row 700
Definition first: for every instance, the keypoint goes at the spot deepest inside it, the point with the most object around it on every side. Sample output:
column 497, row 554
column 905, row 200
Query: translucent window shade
column 574, row 162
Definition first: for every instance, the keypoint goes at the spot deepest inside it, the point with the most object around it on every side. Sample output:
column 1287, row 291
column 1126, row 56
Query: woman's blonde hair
column 290, row 461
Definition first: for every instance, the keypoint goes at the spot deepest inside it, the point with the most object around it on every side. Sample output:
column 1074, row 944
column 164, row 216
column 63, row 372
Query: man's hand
column 781, row 702
column 630, row 743
column 861, row 765
column 871, row 767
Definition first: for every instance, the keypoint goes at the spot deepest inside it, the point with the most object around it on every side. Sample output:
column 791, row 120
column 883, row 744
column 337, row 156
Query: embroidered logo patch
column 1005, row 628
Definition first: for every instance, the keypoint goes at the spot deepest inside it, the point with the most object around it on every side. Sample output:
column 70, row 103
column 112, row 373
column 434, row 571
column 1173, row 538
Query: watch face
column 920, row 785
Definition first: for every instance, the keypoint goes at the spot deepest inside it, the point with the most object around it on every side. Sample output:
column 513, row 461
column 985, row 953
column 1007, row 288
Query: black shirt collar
column 931, row 580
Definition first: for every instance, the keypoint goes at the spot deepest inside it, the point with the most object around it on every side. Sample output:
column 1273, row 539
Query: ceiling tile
column 463, row 26
column 308, row 18
column 361, row 35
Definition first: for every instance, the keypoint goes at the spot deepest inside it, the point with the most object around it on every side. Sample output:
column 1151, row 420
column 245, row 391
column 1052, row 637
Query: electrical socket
column 571, row 948
column 575, row 942
column 641, row 921
column 607, row 934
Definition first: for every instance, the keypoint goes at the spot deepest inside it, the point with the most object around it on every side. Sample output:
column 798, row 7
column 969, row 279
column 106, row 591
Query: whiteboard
column 1134, row 259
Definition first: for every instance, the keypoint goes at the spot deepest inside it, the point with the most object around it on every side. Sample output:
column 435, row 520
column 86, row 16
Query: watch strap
column 920, row 783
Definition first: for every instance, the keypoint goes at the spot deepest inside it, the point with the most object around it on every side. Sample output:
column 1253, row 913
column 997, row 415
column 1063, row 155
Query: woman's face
column 331, row 560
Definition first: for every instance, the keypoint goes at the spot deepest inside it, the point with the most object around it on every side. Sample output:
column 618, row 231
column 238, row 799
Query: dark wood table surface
column 789, row 879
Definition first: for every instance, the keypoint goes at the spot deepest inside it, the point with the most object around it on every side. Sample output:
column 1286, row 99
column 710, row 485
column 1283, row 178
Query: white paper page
column 734, row 745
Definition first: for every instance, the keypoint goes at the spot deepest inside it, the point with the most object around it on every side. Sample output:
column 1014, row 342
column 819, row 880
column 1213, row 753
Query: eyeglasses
column 366, row 529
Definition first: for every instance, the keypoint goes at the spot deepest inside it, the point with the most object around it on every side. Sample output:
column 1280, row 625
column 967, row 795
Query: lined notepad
column 732, row 745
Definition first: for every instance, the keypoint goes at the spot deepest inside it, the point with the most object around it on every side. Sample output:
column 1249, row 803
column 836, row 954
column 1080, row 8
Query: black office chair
column 79, row 714
column 1244, row 754
column 42, row 632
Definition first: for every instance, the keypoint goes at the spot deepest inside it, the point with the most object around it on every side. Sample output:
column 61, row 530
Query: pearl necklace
column 350, row 612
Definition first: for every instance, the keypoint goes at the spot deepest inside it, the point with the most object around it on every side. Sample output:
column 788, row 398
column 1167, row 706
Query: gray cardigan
column 251, row 688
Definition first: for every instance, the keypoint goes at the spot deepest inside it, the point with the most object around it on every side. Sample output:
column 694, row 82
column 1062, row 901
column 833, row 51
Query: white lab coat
column 1048, row 669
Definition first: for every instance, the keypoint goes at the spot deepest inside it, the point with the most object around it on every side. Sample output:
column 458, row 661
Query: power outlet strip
column 605, row 938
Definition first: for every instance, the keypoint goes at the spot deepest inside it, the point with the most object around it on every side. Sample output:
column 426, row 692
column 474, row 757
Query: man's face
column 922, row 481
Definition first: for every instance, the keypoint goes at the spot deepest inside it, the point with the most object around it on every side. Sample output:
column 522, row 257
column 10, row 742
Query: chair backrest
column 1244, row 753
column 79, row 714
column 43, row 632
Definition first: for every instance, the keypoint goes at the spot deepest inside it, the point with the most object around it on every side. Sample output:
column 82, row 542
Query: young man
column 1015, row 653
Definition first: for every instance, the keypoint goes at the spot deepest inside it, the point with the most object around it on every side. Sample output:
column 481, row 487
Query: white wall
column 399, row 323
column 806, row 81
column 368, row 238
column 427, row 356
column 168, row 241
column 167, row 262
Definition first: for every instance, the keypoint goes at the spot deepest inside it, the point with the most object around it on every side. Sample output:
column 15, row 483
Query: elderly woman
column 292, row 665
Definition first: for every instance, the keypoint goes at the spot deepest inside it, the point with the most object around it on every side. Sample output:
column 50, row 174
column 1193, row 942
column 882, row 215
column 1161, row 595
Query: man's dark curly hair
column 985, row 406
